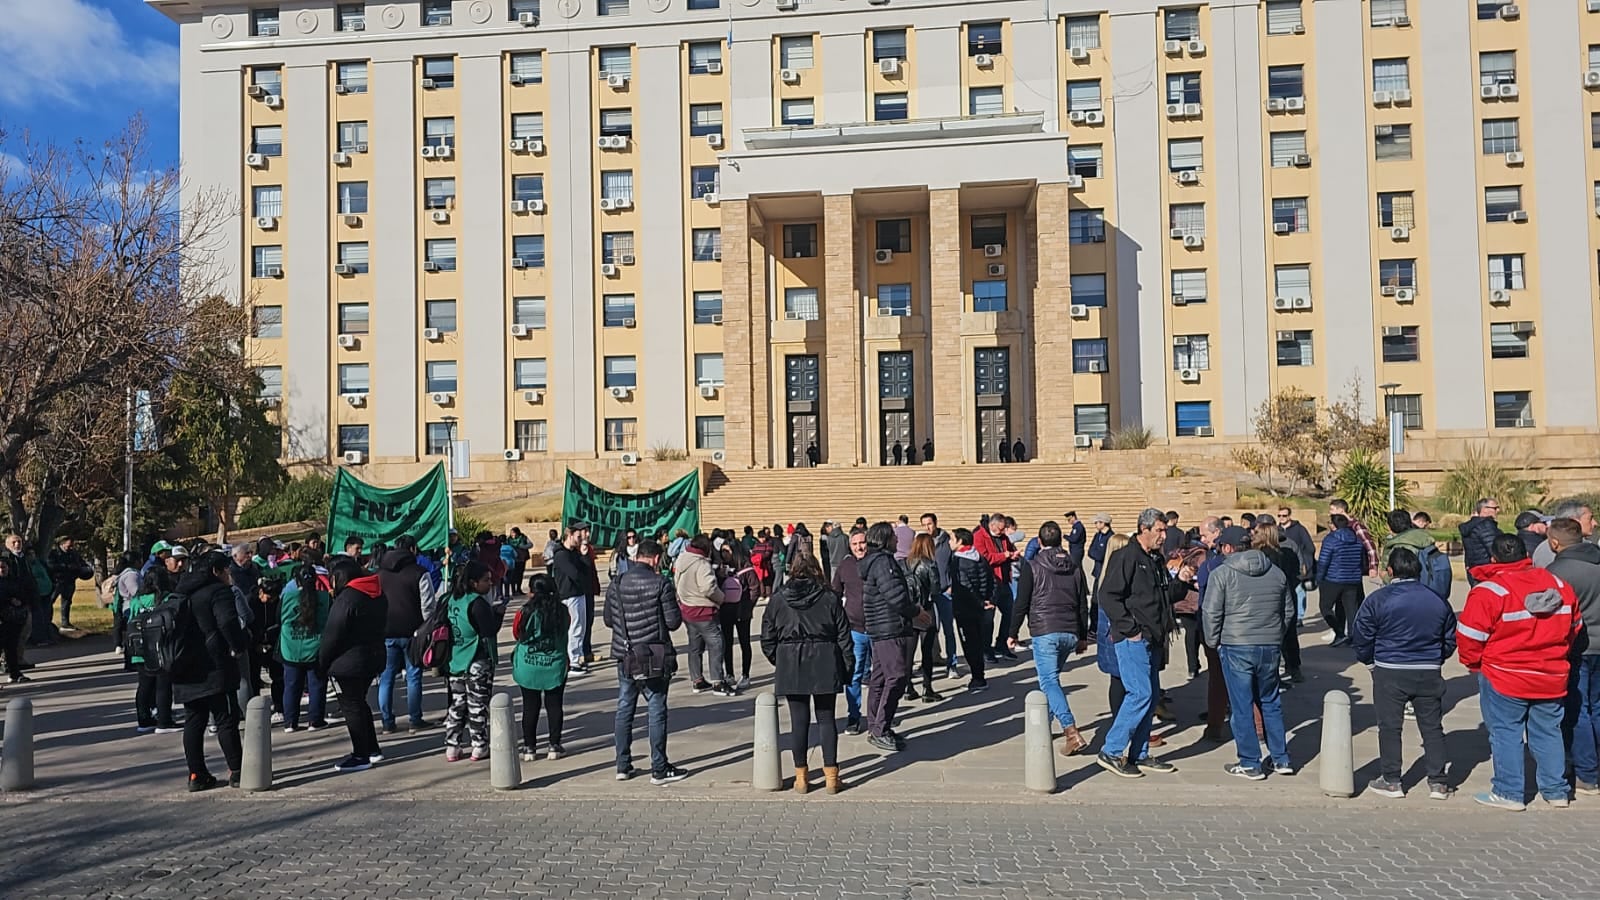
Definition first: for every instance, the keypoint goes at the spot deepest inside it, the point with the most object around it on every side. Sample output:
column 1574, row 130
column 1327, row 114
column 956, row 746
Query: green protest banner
column 373, row 514
column 673, row 507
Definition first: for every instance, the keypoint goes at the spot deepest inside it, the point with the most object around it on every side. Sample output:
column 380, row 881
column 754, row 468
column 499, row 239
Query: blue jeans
column 1582, row 722
column 1251, row 673
column 298, row 678
column 1050, row 653
column 395, row 662
column 1507, row 718
column 1141, row 679
column 655, row 697
column 1300, row 601
column 947, row 624
column 852, row 691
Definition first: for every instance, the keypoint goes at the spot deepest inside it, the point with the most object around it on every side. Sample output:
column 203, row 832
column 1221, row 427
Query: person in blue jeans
column 1249, row 605
column 1577, row 562
column 1053, row 598
column 847, row 585
column 409, row 589
column 642, row 612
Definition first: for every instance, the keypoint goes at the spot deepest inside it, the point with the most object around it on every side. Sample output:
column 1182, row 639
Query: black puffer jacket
column 971, row 583
column 214, row 622
column 922, row 578
column 886, row 601
column 1052, row 596
column 1477, row 536
column 352, row 641
column 806, row 637
column 400, row 578
column 643, row 606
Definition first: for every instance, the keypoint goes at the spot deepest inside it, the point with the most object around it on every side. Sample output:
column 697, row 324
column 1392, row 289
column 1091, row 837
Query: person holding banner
column 571, row 573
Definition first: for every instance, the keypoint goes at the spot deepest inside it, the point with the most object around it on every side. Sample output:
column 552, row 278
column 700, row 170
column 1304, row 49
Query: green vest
column 466, row 645
column 137, row 605
column 539, row 661
column 297, row 645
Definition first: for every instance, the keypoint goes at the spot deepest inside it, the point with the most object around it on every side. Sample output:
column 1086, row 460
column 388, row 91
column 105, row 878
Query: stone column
column 841, row 371
column 947, row 365
column 1051, row 350
column 739, row 351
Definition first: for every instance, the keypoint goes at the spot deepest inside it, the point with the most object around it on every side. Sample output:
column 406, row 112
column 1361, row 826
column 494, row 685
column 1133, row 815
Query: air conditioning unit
column 428, row 84
column 622, row 204
column 1280, row 227
column 708, row 391
column 1082, row 441
column 346, row 341
column 1402, row 96
column 1507, row 91
column 789, row 76
column 1177, row 234
column 997, row 270
column 632, row 459
column 516, row 80
column 1594, row 5
column 1196, row 48
column 1382, row 98
column 272, row 402
column 534, row 396
column 627, row 259
column 341, row 89
column 1514, row 158
column 1402, row 21
column 1488, row 92
column 1392, row 331
column 1189, row 177
column 518, row 262
column 429, row 265
column 356, row 399
column 621, row 393
column 1400, row 233
column 439, row 217
column 1078, row 310
column 273, row 101
column 1172, row 48
column 1094, row 117
column 1075, row 117
column 266, row 223
column 341, row 158
column 1387, row 290
column 273, row 271
column 712, row 198
column 983, row 61
column 1523, row 327
column 255, row 160
column 1500, row 298
column 1282, row 304
column 528, row 19
column 426, row 151
column 511, row 454
column 882, row 256
column 1297, row 29
column 1204, row 431
column 1180, row 300
column 1294, row 104
column 1180, row 340
column 1591, row 78
column 358, row 148
column 354, row 457
column 616, row 82
column 444, row 152
column 519, row 330
column 519, row 206
column 889, row 67
column 1405, row 295
column 1097, row 367
column 432, row 334
column 343, row 269
column 1300, row 160
column 1510, row 11
column 1174, row 110
column 607, row 204
column 1193, row 241
column 718, row 456
column 255, row 91
column 791, row 315
column 608, row 270
column 716, row 320
column 1189, row 376
column 1191, row 110
column 1274, row 104
column 1074, row 182
column 788, row 5
column 1517, row 215
column 714, row 67
column 1285, row 336
column 629, row 323
column 442, row 398
column 994, row 251
column 517, row 145
column 1077, row 54
column 1302, row 303
column 714, row 141
column 535, row 206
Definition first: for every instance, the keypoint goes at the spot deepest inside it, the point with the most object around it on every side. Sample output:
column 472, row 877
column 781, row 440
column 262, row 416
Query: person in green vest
column 539, row 663
column 152, row 699
column 302, row 615
column 473, row 626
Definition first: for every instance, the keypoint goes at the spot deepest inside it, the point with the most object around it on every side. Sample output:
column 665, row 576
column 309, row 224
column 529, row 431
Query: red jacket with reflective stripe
column 1517, row 629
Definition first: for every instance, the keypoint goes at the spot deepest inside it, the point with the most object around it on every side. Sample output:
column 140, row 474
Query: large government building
column 762, row 231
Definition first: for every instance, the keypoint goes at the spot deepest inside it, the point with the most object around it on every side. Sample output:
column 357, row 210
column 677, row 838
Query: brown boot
column 831, row 775
column 801, row 776
column 1072, row 741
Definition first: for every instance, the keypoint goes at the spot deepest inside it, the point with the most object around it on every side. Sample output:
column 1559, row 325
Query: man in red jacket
column 1516, row 635
column 995, row 549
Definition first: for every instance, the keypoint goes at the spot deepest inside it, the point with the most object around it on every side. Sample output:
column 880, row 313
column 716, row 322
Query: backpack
column 164, row 636
column 1436, row 573
column 433, row 643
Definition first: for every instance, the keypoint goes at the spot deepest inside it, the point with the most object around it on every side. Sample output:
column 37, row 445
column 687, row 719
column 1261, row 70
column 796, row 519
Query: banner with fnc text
column 669, row 509
column 375, row 514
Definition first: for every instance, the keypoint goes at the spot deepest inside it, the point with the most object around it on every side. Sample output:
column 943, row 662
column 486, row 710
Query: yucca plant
column 1482, row 474
column 1130, row 437
column 1364, row 483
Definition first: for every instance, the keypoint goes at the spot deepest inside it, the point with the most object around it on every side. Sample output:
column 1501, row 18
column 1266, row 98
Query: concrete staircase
column 1031, row 493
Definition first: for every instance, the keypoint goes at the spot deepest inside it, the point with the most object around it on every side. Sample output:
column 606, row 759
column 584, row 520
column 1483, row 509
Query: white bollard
column 16, row 756
column 768, row 775
column 505, row 768
column 255, row 773
column 1038, row 757
column 1336, row 768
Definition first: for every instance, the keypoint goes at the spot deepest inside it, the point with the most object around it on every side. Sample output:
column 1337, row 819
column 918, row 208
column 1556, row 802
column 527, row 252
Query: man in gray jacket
column 1248, row 605
column 1578, row 563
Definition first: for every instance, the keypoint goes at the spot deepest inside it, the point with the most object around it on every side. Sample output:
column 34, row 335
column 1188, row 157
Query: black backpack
column 165, row 636
column 433, row 643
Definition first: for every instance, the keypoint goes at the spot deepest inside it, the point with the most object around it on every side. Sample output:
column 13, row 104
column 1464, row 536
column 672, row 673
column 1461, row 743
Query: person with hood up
column 1577, row 562
column 408, row 589
column 1477, row 536
column 1053, row 597
column 694, row 577
column 889, row 612
column 1516, row 634
column 806, row 636
column 206, row 682
column 1248, row 605
column 352, row 655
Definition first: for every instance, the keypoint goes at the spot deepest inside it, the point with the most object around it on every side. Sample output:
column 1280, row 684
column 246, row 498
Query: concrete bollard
column 505, row 767
column 768, row 775
column 1038, row 757
column 16, row 756
column 1336, row 768
column 256, row 771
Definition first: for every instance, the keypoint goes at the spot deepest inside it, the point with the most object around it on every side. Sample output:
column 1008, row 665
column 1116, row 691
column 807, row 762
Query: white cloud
column 11, row 166
column 73, row 51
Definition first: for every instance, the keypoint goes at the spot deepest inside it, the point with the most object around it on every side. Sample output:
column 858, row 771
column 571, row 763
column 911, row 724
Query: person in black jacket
column 806, row 637
column 1053, row 597
column 571, row 572
column 888, row 609
column 972, row 586
column 207, row 682
column 408, row 589
column 67, row 568
column 642, row 612
column 352, row 655
column 1478, row 534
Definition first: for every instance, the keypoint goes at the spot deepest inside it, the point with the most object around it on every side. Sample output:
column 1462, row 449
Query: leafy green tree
column 222, row 442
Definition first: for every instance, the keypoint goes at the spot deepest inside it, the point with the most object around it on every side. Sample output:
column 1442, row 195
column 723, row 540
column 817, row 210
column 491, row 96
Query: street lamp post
column 1388, row 389
column 449, row 466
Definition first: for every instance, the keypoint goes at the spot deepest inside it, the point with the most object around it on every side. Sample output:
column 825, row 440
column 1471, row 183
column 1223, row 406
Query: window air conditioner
column 788, row 5
column 632, row 459
column 1177, row 234
column 341, row 89
column 1077, row 54
column 443, row 152
column 1189, row 177
column 1402, row 21
column 712, row 198
column 442, row 398
column 882, row 256
column 1517, row 215
column 608, row 270
column 1189, row 376
column 439, row 217
column 994, row 251
column 1094, row 117
column 1510, row 11
column 1082, row 441
column 255, row 92
column 716, row 320
column 1382, row 98
column 511, row 454
column 1285, row 336
column 997, row 270
column 714, row 141
column 1500, row 298
column 255, row 160
column 273, row 271
column 1297, row 29
column 621, row 393
column 1300, row 160
column 708, row 391
column 356, row 399
column 714, row 67
column 1400, row 233
column 1294, row 104
column 1204, row 431
column 1393, row 331
column 627, row 259
column 1282, row 304
column 1274, row 104
column 1302, row 303
column 1172, row 48
column 1280, row 227
column 1097, row 366
column 1078, row 311
column 1522, row 327
column 1193, row 241
column 1197, row 48
column 273, row 101
column 341, row 158
column 789, row 76
column 1074, row 182
column 534, row 396
column 1387, row 290
column 266, row 223
column 1405, row 295
column 983, row 61
column 428, row 84
column 528, row 20
column 1488, row 92
column 343, row 269
column 616, row 82
column 354, row 457
column 432, row 334
column 429, row 265
column 1180, row 300
column 346, row 341
column 629, row 323
column 426, row 151
column 516, row 80
column 518, row 262
column 1402, row 96
column 1514, row 158
column 889, row 67
column 1180, row 340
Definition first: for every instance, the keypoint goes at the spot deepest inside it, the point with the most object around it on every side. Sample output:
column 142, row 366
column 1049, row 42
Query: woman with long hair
column 303, row 610
column 473, row 624
column 922, row 577
column 1268, row 538
column 806, row 637
column 539, row 664
column 352, row 654
column 152, row 699
column 1104, row 656
column 738, row 607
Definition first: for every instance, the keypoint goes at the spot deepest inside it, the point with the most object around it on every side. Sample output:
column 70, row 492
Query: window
column 1402, row 347
column 621, row 371
column 1284, row 82
column 616, row 61
column 532, row 435
column 267, row 140
column 527, row 126
column 354, row 378
column 439, row 436
column 1086, row 226
column 531, row 375
column 1505, row 272
column 441, row 252
column 616, row 122
column 267, row 200
column 708, row 307
column 1489, row 9
column 1185, row 155
column 991, row 369
column 1408, row 405
column 1085, row 160
column 1189, row 218
column 1508, row 340
column 708, row 369
column 1089, row 290
column 1594, row 57
column 615, row 245
column 435, row 12
column 1191, row 416
column 1397, row 273
column 439, row 132
column 989, row 296
column 350, row 17
column 1087, row 352
column 1500, row 202
column 1181, row 24
column 353, row 77
column 893, row 234
column 440, row 70
column 1293, row 282
column 889, row 44
column 984, row 37
column 705, row 118
column 1083, row 32
column 616, row 184
column 352, row 198
column 1594, row 130
column 894, row 299
column 708, row 433
column 517, row 7
column 352, row 137
column 354, row 254
column 1291, row 211
column 621, row 434
column 438, row 193
column 264, row 22
column 1513, row 409
column 441, row 376
column 1286, row 145
column 1397, row 210
column 800, row 303
column 1190, row 284
column 353, row 318
column 799, row 112
column 1384, row 12
column 986, row 101
column 889, row 107
column 1500, row 136
column 1497, row 67
column 1193, row 353
column 1083, row 96
column 799, row 241
column 529, row 248
column 796, row 52
column 268, row 322
column 527, row 187
column 1092, row 419
column 1284, row 17
column 1392, row 142
column 612, row 7
column 705, row 4
column 990, row 229
column 1391, row 75
column 703, row 181
column 271, row 382
column 528, row 312
column 1183, row 87
column 268, row 78
column 707, row 244
column 1297, row 351
column 267, row 262
column 617, row 310
column 441, row 314
column 528, row 66
column 354, row 439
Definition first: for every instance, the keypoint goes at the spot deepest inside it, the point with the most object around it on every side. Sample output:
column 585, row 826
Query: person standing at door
column 813, row 455
column 1019, row 451
column 897, row 452
column 927, row 450
column 1005, row 450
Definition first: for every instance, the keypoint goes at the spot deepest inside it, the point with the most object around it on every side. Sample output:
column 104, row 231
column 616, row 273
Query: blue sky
column 81, row 68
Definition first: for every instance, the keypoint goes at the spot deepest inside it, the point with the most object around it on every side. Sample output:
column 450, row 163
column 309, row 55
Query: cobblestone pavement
column 222, row 845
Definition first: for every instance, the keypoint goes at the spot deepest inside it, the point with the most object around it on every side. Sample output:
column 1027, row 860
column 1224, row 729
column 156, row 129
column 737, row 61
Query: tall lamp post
column 1397, row 429
column 449, row 466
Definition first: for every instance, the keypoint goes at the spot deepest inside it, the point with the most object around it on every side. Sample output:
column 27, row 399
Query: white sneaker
column 277, row 718
column 1329, row 637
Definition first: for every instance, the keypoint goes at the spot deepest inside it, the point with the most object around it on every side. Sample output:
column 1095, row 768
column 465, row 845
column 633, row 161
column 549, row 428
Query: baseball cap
column 1234, row 536
column 1532, row 517
column 180, row 552
column 1102, row 518
column 160, row 547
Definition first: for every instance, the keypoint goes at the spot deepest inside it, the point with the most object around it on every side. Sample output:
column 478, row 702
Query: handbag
column 651, row 660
